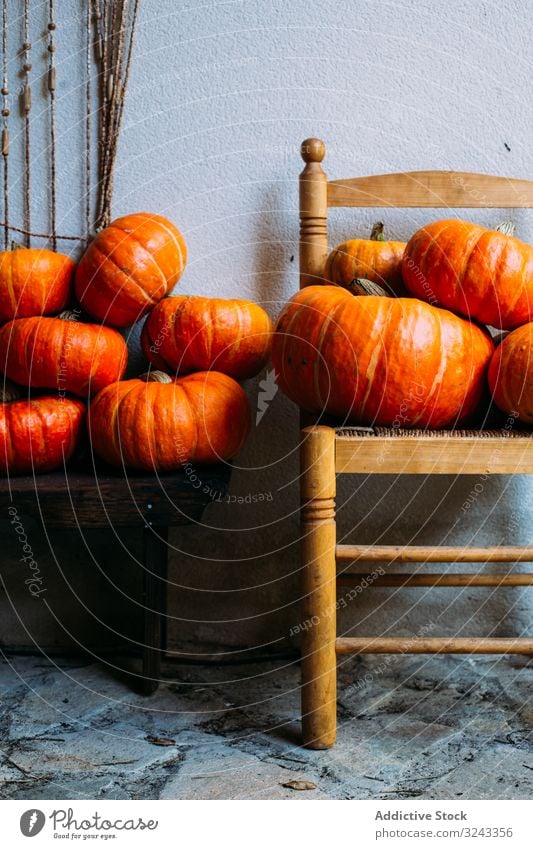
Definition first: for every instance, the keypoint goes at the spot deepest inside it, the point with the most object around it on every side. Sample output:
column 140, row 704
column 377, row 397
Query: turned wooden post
column 313, row 213
column 319, row 675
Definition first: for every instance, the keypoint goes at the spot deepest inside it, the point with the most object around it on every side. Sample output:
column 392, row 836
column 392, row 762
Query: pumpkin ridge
column 159, row 220
column 163, row 225
column 147, row 400
column 431, row 243
column 331, row 316
column 10, row 287
column 131, row 235
column 459, row 276
column 28, row 344
column 523, row 276
column 381, row 327
column 114, row 424
column 433, row 393
column 39, row 414
column 127, row 455
column 109, row 258
column 192, row 411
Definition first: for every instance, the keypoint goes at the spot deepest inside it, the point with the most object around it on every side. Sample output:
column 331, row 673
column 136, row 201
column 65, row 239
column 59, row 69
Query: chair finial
column 313, row 150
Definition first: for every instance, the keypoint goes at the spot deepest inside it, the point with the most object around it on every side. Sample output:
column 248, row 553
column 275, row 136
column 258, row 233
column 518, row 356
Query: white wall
column 221, row 95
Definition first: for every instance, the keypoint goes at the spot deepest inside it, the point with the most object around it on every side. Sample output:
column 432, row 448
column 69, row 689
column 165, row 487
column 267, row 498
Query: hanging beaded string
column 5, row 128
column 26, row 107
column 114, row 28
column 52, row 94
column 121, row 87
column 88, row 98
column 118, row 17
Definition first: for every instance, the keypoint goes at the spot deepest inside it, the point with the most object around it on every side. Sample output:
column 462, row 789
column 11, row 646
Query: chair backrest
column 435, row 189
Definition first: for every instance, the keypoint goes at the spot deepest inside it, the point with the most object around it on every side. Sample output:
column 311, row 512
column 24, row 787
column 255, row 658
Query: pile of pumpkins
column 413, row 348
column 63, row 368
column 395, row 334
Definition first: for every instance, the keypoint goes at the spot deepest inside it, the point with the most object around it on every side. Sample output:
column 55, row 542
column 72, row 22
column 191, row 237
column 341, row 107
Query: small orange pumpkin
column 62, row 354
column 161, row 423
column 374, row 259
column 129, row 267
column 511, row 374
column 186, row 334
column 38, row 435
column 34, row 281
column 482, row 274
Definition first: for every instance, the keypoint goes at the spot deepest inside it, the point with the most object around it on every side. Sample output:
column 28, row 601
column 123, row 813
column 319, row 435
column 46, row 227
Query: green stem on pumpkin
column 377, row 234
column 69, row 315
column 507, row 228
column 9, row 392
column 362, row 286
column 155, row 376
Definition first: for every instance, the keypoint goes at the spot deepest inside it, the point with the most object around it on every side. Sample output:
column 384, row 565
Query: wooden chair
column 326, row 452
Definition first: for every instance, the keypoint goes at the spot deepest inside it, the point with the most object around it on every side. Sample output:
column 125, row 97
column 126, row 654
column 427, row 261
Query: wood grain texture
column 434, row 645
column 438, row 580
column 435, row 189
column 313, row 213
column 435, row 554
column 155, row 562
column 434, row 454
column 319, row 675
column 104, row 498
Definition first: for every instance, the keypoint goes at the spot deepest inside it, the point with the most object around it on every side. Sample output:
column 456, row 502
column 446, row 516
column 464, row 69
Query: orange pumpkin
column 129, row 267
column 483, row 274
column 375, row 360
column 63, row 354
column 511, row 374
column 374, row 259
column 186, row 334
column 34, row 281
column 162, row 423
column 39, row 435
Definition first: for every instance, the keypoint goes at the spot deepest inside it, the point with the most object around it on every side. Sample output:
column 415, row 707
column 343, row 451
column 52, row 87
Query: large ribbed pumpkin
column 511, row 374
column 483, row 274
column 62, row 354
column 161, row 423
column 129, row 267
column 375, row 259
column 34, row 281
column 40, row 434
column 186, row 334
column 378, row 360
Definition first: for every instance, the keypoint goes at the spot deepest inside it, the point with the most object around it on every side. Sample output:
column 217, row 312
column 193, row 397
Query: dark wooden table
column 84, row 496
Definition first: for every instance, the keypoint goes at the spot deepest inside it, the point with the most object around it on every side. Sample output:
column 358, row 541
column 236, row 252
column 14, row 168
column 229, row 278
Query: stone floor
column 409, row 727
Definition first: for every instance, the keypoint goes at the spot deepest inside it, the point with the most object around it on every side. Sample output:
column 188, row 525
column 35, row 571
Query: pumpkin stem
column 17, row 246
column 507, row 228
column 9, row 392
column 70, row 315
column 377, row 234
column 361, row 286
column 155, row 376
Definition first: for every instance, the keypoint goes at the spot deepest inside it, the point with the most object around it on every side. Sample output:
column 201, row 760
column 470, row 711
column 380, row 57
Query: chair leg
column 319, row 672
column 154, row 597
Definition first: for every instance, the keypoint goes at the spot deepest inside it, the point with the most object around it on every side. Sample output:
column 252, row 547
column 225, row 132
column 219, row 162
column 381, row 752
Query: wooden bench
column 107, row 499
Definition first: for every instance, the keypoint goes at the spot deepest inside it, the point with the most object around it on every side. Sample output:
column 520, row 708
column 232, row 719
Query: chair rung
column 433, row 645
column 432, row 554
column 428, row 579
